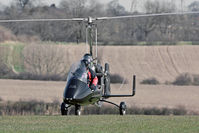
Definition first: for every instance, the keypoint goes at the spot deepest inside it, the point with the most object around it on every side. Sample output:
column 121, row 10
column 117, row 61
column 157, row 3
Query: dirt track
column 162, row 62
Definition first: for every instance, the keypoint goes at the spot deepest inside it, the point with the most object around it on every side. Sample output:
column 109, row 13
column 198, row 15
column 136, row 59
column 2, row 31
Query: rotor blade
column 100, row 18
column 41, row 20
column 146, row 15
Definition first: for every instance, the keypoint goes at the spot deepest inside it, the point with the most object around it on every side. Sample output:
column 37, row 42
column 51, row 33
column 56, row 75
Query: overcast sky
column 125, row 3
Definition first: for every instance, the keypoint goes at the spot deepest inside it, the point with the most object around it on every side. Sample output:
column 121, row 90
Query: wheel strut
column 122, row 107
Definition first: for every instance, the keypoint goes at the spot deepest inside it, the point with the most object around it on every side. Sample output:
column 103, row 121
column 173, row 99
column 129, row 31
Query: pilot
column 91, row 75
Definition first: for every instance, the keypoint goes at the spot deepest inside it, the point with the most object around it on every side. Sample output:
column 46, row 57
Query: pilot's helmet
column 87, row 59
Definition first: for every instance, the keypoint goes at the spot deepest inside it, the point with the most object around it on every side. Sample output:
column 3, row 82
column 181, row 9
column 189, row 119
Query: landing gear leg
column 77, row 110
column 64, row 109
column 122, row 107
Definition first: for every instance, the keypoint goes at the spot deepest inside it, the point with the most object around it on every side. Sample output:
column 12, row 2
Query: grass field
column 99, row 124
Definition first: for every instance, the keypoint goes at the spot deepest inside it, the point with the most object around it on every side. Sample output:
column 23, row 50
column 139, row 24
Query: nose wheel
column 77, row 110
column 64, row 109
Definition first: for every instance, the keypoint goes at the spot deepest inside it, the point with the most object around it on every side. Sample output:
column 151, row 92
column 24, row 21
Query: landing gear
column 98, row 104
column 122, row 108
column 77, row 110
column 64, row 109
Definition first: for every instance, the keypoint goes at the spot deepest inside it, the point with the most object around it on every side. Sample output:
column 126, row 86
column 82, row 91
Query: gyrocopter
column 77, row 91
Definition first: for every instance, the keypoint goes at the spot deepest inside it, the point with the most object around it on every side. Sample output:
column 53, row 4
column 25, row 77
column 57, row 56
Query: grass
column 99, row 124
column 18, row 61
column 14, row 55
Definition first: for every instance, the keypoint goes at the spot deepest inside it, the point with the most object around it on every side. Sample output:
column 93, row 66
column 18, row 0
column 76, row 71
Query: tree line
column 126, row 31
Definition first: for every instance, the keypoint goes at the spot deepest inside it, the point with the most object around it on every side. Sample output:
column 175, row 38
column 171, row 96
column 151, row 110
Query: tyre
column 122, row 108
column 77, row 110
column 64, row 109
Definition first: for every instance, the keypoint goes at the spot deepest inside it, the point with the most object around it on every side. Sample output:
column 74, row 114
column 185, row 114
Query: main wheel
column 122, row 108
column 77, row 110
column 64, row 109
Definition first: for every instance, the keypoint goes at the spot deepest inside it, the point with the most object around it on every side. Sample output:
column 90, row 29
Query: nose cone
column 76, row 89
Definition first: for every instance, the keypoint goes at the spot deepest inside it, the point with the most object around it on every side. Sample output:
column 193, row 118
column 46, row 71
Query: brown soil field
column 164, row 63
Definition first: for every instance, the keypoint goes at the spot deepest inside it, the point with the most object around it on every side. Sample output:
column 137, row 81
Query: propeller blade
column 42, row 20
column 146, row 15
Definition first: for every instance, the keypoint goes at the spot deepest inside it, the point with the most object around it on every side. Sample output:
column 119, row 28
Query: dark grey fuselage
column 77, row 91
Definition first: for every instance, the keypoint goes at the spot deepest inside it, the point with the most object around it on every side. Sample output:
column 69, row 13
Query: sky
column 125, row 3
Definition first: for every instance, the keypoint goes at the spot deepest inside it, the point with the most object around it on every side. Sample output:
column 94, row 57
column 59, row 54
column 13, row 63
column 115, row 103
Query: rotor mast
column 91, row 28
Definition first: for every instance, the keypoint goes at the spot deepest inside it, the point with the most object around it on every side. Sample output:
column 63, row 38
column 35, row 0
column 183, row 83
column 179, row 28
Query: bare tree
column 194, row 6
column 133, row 6
column 45, row 60
column 23, row 3
column 166, row 24
column 114, row 8
column 149, row 25
column 182, row 5
column 5, row 70
column 162, row 28
column 76, row 8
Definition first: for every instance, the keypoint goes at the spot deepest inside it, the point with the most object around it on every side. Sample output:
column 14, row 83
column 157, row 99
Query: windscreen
column 78, row 71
